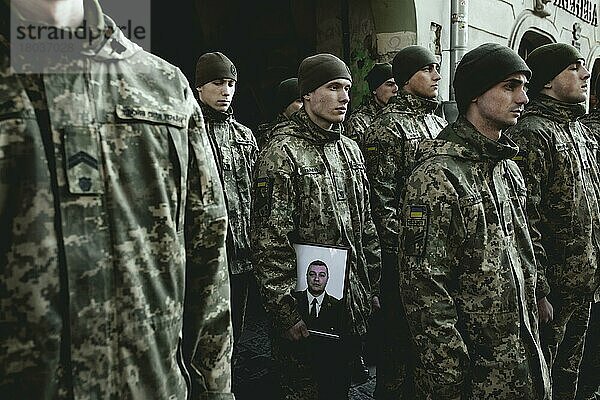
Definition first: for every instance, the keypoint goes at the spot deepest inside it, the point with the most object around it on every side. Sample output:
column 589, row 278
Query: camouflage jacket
column 235, row 151
column 263, row 132
column 592, row 121
column 360, row 119
column 311, row 186
column 112, row 212
column 558, row 157
column 390, row 145
column 467, row 270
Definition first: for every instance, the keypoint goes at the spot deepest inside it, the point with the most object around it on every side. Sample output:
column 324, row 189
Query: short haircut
column 318, row 262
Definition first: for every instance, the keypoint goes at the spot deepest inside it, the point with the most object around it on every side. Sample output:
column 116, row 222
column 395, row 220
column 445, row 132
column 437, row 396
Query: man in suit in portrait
column 319, row 310
column 322, row 313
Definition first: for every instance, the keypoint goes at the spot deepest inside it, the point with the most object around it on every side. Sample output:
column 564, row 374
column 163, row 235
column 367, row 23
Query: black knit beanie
column 547, row 61
column 213, row 66
column 409, row 60
column 380, row 73
column 287, row 92
column 319, row 69
column 482, row 68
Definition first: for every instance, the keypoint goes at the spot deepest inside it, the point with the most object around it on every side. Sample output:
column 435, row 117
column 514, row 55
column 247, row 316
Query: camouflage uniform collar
column 593, row 116
column 211, row 114
column 280, row 118
column 368, row 107
column 114, row 45
column 408, row 102
column 476, row 146
column 556, row 110
column 372, row 105
column 308, row 130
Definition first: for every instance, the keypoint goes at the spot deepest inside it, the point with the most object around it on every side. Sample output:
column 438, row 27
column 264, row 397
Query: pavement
column 254, row 373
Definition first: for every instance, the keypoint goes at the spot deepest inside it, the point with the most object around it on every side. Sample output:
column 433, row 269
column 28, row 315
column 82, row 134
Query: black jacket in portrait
column 329, row 318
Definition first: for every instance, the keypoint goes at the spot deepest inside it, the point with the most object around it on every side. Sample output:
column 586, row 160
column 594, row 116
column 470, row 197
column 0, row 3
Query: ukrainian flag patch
column 415, row 230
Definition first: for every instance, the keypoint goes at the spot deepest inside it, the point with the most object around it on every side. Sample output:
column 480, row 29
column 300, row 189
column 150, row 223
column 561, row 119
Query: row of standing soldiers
column 476, row 241
column 128, row 208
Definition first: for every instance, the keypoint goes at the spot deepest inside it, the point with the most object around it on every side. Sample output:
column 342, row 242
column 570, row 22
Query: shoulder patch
column 371, row 154
column 370, row 148
column 263, row 192
column 521, row 159
column 415, row 230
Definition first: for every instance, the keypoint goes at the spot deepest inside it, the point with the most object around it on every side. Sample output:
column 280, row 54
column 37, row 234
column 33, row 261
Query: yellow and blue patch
column 415, row 230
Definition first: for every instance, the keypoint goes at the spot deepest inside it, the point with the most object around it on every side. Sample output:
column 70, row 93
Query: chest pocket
column 162, row 136
column 242, row 154
column 316, row 195
column 564, row 151
column 472, row 212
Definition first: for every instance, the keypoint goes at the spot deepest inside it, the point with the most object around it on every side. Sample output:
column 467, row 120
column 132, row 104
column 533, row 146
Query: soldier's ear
column 548, row 85
column 306, row 96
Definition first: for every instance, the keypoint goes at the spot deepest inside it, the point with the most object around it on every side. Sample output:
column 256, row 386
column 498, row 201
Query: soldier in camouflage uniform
column 382, row 87
column 113, row 277
column 390, row 147
column 311, row 186
column 558, row 160
column 588, row 384
column 235, row 152
column 288, row 102
column 467, row 271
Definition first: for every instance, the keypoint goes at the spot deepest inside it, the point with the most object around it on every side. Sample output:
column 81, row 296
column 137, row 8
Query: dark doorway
column 530, row 41
column 265, row 39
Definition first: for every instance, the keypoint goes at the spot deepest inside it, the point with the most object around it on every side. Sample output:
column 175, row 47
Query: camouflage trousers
column 562, row 341
column 313, row 368
column 396, row 359
column 588, row 386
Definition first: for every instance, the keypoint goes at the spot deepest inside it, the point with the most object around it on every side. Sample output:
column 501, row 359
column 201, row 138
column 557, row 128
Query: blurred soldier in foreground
column 113, row 224
column 558, row 158
column 382, row 87
column 235, row 152
column 468, row 271
column 391, row 142
column 288, row 102
column 588, row 384
column 311, row 186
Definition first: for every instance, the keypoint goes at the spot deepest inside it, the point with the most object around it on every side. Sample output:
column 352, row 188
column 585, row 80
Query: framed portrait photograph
column 322, row 273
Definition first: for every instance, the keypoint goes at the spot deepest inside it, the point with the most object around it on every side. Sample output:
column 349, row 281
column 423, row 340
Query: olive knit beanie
column 380, row 73
column 547, row 61
column 409, row 60
column 213, row 66
column 319, row 69
column 287, row 92
column 482, row 68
